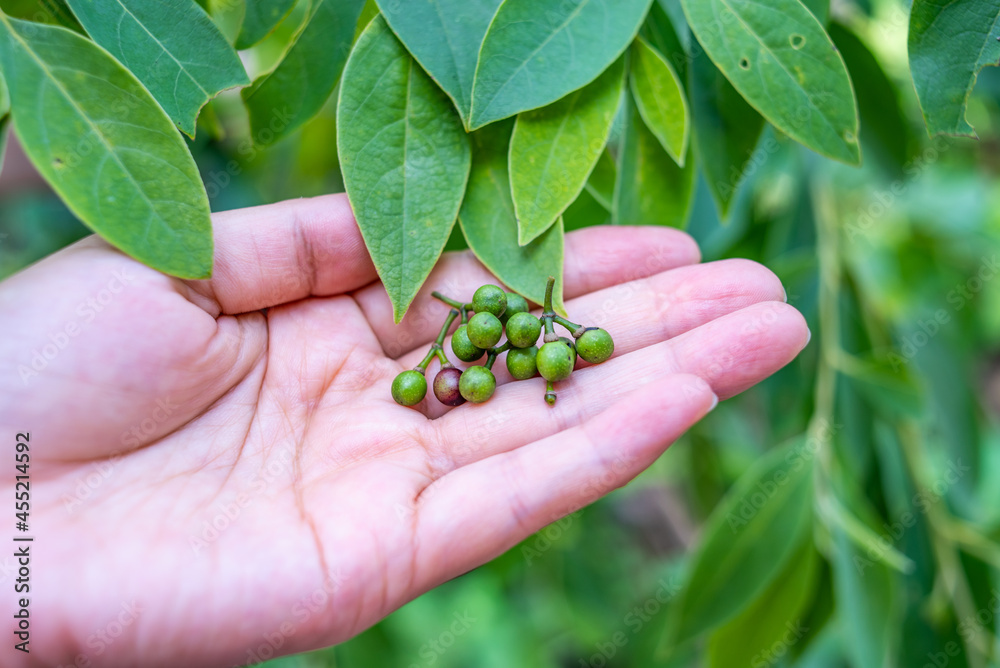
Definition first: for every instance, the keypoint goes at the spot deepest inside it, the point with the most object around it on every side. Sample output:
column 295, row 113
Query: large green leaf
column 554, row 149
column 405, row 159
column 601, row 184
column 949, row 42
column 488, row 222
column 260, row 19
column 444, row 36
column 775, row 616
column 172, row 46
column 53, row 12
column 288, row 96
column 651, row 188
column 106, row 147
column 726, row 130
column 660, row 99
column 537, row 51
column 751, row 534
column 777, row 55
column 883, row 125
column 660, row 30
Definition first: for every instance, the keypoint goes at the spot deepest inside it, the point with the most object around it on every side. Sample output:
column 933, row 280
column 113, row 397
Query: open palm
column 213, row 484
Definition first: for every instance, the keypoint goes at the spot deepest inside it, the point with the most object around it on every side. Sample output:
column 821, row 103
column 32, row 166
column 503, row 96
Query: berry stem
column 437, row 348
column 494, row 352
column 422, row 367
column 575, row 329
column 439, row 341
column 550, row 393
column 454, row 303
column 548, row 315
column 549, row 286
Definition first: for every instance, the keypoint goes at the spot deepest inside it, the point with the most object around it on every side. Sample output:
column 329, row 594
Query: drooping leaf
column 554, row 149
column 750, row 536
column 659, row 97
column 488, row 222
column 883, row 125
column 285, row 98
column 661, row 32
column 787, row 69
column 726, row 130
column 405, row 159
column 444, row 36
column 535, row 52
column 949, row 42
column 651, row 188
column 775, row 615
column 106, row 147
column 601, row 184
column 819, row 8
column 171, row 46
column 260, row 19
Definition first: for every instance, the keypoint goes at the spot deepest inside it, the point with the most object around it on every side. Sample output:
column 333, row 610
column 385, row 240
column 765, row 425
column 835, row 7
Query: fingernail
column 715, row 402
column 809, row 335
column 785, row 293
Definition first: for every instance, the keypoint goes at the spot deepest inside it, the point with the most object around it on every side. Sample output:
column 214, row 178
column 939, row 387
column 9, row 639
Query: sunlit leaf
column 260, row 19
column 405, row 159
column 659, row 97
column 172, row 46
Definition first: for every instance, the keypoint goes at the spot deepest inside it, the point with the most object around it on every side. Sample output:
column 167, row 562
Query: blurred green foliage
column 892, row 264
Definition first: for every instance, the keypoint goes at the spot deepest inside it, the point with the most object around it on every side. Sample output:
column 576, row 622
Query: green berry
column 572, row 346
column 463, row 348
column 555, row 361
column 446, row 388
column 521, row 363
column 409, row 388
column 484, row 330
column 595, row 345
column 490, row 299
column 515, row 304
column 477, row 384
column 523, row 330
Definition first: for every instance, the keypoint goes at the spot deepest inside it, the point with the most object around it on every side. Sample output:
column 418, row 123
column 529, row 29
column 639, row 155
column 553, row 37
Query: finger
column 644, row 312
column 596, row 258
column 279, row 253
column 477, row 512
column 731, row 353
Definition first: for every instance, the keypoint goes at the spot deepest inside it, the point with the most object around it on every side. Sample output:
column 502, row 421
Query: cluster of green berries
column 496, row 312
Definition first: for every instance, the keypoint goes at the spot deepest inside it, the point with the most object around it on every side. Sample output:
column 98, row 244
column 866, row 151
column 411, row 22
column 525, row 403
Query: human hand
column 212, row 484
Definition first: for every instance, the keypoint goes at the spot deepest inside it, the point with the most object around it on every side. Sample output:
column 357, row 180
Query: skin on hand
column 209, row 478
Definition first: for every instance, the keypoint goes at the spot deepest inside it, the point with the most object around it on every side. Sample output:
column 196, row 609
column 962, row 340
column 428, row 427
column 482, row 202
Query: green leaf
column 4, row 119
column 601, row 184
column 53, row 12
column 884, row 128
column 819, row 8
column 659, row 31
column 554, row 149
column 726, row 130
column 651, row 188
column 949, row 42
column 172, row 46
column 288, row 96
column 660, row 99
column 774, row 616
column 751, row 534
column 585, row 211
column 106, row 147
column 444, row 36
column 261, row 17
column 787, row 69
column 488, row 222
column 536, row 52
column 405, row 159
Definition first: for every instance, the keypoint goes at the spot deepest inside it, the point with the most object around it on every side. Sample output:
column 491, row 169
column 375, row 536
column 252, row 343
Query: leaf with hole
column 726, row 131
column 788, row 70
column 651, row 188
column 106, row 147
column 288, row 96
column 746, row 542
column 949, row 42
column 660, row 99
column 260, row 18
column 405, row 159
column 488, row 223
column 554, row 149
column 537, row 51
column 444, row 36
column 171, row 46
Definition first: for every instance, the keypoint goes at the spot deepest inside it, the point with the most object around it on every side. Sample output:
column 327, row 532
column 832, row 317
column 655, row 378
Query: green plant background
column 893, row 406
